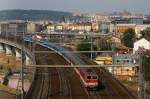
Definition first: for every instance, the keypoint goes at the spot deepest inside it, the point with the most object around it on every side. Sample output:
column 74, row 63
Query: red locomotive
column 88, row 77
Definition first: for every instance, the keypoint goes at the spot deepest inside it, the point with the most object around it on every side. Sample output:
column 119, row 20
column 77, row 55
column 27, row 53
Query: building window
column 133, row 68
column 118, row 61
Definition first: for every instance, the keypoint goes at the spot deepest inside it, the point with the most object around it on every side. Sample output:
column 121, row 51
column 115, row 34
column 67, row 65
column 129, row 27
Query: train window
column 88, row 77
column 94, row 77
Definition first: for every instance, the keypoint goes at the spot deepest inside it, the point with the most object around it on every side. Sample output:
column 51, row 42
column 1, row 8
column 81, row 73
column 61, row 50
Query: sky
column 141, row 6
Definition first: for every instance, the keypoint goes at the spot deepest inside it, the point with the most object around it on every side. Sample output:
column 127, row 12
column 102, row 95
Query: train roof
column 89, row 71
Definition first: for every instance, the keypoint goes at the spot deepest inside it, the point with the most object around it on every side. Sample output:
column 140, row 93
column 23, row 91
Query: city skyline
column 89, row 6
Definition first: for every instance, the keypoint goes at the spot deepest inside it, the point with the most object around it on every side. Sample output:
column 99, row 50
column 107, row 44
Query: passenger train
column 89, row 77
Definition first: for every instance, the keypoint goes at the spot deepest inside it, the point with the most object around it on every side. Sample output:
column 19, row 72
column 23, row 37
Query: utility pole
column 91, row 47
column 33, row 54
column 141, row 78
column 22, row 74
column 113, row 57
column 22, row 65
column 6, row 32
column 113, row 53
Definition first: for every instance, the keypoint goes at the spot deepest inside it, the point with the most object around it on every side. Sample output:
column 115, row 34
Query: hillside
column 33, row 15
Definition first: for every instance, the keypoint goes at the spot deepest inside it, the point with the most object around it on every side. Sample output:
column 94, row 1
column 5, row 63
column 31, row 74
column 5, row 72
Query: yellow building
column 125, row 72
column 59, row 27
column 50, row 28
column 122, row 72
column 123, row 27
column 81, row 27
column 103, row 60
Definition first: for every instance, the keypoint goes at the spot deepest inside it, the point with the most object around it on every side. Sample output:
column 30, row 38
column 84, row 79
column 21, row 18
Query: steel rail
column 49, row 86
column 65, row 85
column 85, row 90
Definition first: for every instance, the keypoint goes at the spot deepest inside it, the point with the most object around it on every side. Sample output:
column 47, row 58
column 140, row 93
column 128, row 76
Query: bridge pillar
column 27, row 60
column 18, row 54
column 1, row 48
column 8, row 50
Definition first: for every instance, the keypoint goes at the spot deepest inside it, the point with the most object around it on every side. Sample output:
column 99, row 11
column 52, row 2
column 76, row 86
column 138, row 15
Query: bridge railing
column 18, row 42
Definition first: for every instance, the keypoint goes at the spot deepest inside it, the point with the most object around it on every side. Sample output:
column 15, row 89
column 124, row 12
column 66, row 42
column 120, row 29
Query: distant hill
column 33, row 15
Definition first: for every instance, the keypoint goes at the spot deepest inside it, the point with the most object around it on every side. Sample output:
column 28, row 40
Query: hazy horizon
column 85, row 6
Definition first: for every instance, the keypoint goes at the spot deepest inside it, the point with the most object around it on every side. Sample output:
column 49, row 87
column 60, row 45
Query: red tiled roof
column 147, row 38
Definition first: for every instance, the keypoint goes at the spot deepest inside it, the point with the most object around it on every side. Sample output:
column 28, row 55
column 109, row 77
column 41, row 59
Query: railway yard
column 64, row 83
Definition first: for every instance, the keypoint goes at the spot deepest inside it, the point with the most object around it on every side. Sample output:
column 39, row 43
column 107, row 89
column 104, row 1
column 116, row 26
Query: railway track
column 55, row 83
column 55, row 90
column 63, row 83
column 45, row 85
column 113, row 89
column 95, row 95
column 120, row 90
column 78, row 90
column 41, row 81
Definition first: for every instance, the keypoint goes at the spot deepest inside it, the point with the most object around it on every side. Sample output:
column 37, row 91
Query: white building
column 50, row 28
column 140, row 28
column 106, row 26
column 34, row 27
column 142, row 43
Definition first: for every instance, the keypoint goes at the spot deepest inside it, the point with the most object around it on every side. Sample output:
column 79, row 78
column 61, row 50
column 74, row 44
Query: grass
column 3, row 66
column 147, row 71
column 129, row 83
column 3, row 61
column 132, row 85
column 7, row 89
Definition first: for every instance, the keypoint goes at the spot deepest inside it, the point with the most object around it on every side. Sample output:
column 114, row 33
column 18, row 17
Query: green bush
column 129, row 37
column 5, row 81
column 130, row 83
column 146, row 64
column 147, row 91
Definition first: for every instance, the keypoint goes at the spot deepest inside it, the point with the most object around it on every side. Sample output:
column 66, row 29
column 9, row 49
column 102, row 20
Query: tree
column 146, row 64
column 146, row 68
column 85, row 45
column 102, row 44
column 129, row 37
column 145, row 32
